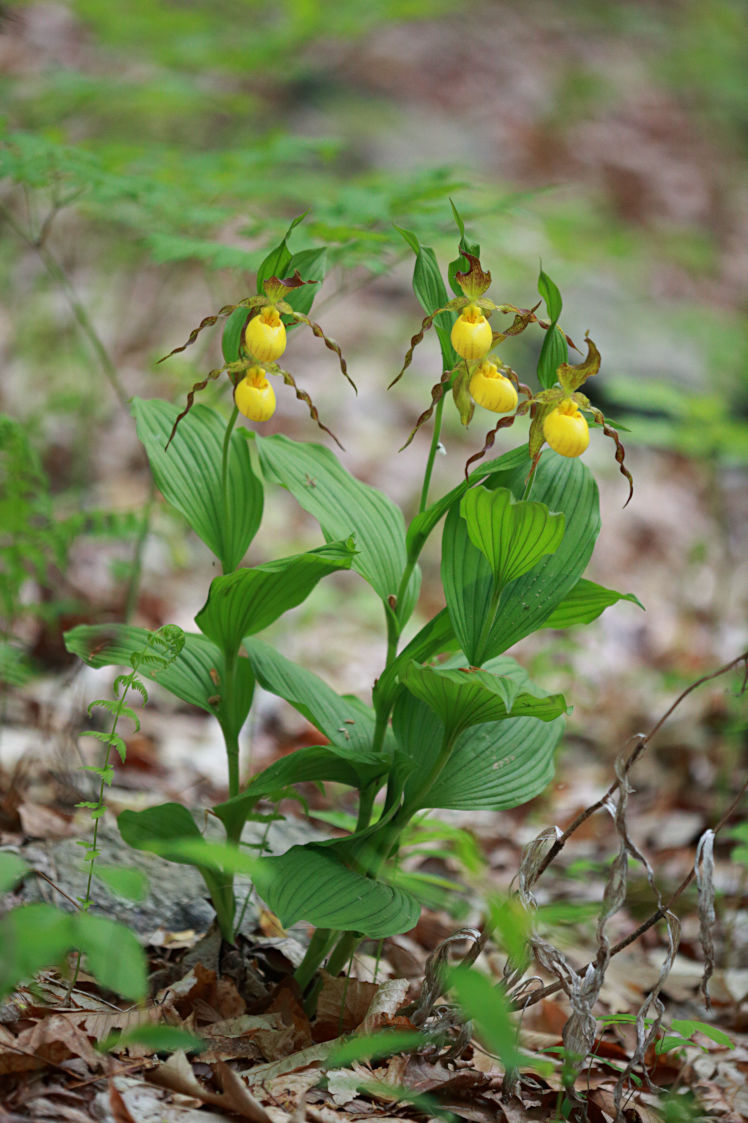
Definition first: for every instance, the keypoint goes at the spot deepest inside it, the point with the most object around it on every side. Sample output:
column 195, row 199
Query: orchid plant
column 452, row 720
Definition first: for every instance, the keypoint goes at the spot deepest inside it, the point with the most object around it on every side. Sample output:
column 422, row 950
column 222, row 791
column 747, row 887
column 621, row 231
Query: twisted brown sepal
column 249, row 302
column 502, row 423
column 230, row 368
column 426, row 323
column 275, row 287
column 522, row 319
column 620, row 450
column 317, row 331
column 514, row 377
column 437, row 393
column 572, row 377
column 302, row 396
column 475, row 281
column 545, row 325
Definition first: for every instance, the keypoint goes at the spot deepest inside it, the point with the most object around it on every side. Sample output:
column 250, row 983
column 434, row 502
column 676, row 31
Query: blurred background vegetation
column 153, row 151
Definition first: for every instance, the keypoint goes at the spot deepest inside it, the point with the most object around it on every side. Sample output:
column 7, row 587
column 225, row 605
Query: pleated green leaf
column 585, row 603
column 431, row 292
column 435, row 637
column 36, row 936
column 113, row 954
column 12, row 869
column 492, row 766
column 144, row 830
column 313, row 763
column 311, row 883
column 467, row 696
column 196, row 675
column 422, row 525
column 344, row 720
column 246, row 601
column 511, row 534
column 343, row 505
column 188, row 474
column 170, row 831
column 554, row 350
column 527, row 602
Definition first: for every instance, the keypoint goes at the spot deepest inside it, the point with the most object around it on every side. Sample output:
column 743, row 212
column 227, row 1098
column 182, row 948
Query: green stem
column 489, row 620
column 342, row 952
column 86, row 904
column 319, row 945
column 432, row 455
column 365, row 805
column 528, row 486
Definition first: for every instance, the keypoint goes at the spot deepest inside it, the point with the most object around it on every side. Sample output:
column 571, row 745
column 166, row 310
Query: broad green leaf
column 498, row 765
column 511, row 534
column 144, row 830
column 366, row 1047
column 468, row 588
column 311, row 264
column 211, row 858
column 12, row 869
column 276, row 263
column 550, row 293
column 346, row 721
column 159, row 1038
column 39, row 935
column 468, row 696
column 422, row 525
column 311, row 883
column 585, row 603
column 233, row 330
column 554, row 350
column 431, row 292
column 343, row 720
column 32, row 937
column 189, row 473
column 553, row 353
column 246, row 601
column 343, row 505
column 196, row 675
column 313, row 763
column 563, row 485
column 170, row 831
column 113, row 954
column 125, row 881
column 487, row 1007
column 492, row 766
column 435, row 637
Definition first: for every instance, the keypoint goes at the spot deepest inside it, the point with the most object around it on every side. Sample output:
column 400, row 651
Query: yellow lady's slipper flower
column 566, row 429
column 492, row 390
column 254, row 396
column 471, row 334
column 265, row 335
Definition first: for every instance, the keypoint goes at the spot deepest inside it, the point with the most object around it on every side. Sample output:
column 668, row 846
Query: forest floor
column 680, row 547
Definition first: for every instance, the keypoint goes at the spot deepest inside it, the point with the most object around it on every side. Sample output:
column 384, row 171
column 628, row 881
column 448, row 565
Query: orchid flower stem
column 432, row 455
column 319, row 945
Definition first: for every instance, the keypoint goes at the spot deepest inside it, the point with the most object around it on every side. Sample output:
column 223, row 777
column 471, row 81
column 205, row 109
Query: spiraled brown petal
column 331, row 346
column 302, row 396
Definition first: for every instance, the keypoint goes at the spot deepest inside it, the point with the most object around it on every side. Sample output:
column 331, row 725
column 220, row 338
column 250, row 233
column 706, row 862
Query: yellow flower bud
column 566, row 429
column 471, row 333
column 493, row 390
column 254, row 396
column 265, row 335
